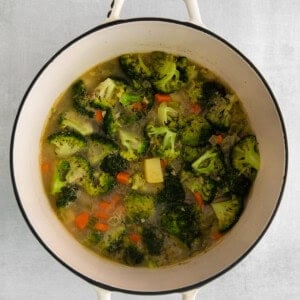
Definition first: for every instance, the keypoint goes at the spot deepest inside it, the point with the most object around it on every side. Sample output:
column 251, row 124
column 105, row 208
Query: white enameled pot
column 144, row 35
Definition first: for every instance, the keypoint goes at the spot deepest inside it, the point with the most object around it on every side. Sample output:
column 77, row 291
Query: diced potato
column 153, row 170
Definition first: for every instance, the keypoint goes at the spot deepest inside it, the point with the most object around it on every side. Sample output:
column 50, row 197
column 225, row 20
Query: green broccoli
column 80, row 99
column 187, row 71
column 173, row 190
column 166, row 76
column 67, row 143
column 245, row 156
column 113, row 164
column 133, row 145
column 227, row 212
column 209, row 163
column 237, row 183
column 112, row 240
column 108, row 93
column 100, row 184
column 162, row 142
column 130, row 97
column 203, row 184
column 139, row 207
column 219, row 113
column 196, row 131
column 182, row 220
column 66, row 195
column 211, row 89
column 73, row 121
column 166, row 113
column 110, row 123
column 138, row 182
column 153, row 239
column 59, row 176
column 133, row 255
column 134, row 66
column 99, row 147
column 190, row 154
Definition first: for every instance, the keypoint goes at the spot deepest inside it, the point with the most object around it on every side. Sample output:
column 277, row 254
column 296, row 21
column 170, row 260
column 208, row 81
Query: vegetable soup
column 147, row 159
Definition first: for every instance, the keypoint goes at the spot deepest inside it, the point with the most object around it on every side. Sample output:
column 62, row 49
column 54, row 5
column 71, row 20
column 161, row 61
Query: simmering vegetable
column 147, row 159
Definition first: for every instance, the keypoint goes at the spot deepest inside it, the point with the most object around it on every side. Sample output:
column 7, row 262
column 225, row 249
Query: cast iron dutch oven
column 107, row 41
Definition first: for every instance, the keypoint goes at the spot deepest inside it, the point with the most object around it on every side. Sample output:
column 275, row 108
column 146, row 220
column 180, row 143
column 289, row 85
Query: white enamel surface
column 143, row 37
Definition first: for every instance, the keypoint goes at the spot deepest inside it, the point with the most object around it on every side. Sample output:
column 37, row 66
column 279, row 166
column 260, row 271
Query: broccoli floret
column 245, row 156
column 80, row 100
column 139, row 207
column 73, row 121
column 138, row 182
column 112, row 240
column 196, row 131
column 67, row 143
column 113, row 164
column 133, row 255
column 211, row 89
column 100, row 184
column 219, row 112
column 166, row 77
column 190, row 154
column 194, row 91
column 153, row 239
column 99, row 147
column 166, row 113
column 108, row 93
column 59, row 176
column 203, row 184
column 67, row 194
column 130, row 97
column 173, row 190
column 133, row 145
column 237, row 183
column 187, row 71
column 110, row 123
column 134, row 66
column 182, row 221
column 209, row 163
column 93, row 238
column 227, row 212
column 162, row 142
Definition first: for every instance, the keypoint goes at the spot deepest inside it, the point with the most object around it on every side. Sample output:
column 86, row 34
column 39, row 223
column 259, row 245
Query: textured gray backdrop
column 267, row 31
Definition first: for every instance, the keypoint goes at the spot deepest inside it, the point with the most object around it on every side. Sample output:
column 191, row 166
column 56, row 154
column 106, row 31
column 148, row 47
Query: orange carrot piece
column 103, row 205
column 135, row 237
column 216, row 235
column 98, row 116
column 219, row 139
column 137, row 106
column 102, row 215
column 115, row 199
column 45, row 167
column 195, row 108
column 123, row 178
column 199, row 199
column 163, row 163
column 160, row 98
column 101, row 227
column 81, row 220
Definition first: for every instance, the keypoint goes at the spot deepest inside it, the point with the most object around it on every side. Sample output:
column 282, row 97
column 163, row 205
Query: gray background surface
column 267, row 31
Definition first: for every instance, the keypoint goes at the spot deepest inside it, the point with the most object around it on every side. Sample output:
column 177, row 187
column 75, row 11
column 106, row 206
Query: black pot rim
column 27, row 218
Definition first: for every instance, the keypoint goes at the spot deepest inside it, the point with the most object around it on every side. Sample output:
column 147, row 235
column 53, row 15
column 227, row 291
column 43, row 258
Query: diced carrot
column 101, row 227
column 216, row 235
column 219, row 139
column 102, row 215
column 195, row 108
column 45, row 167
column 81, row 220
column 135, row 237
column 123, row 177
column 98, row 116
column 137, row 106
column 160, row 98
column 104, row 206
column 163, row 163
column 115, row 199
column 199, row 199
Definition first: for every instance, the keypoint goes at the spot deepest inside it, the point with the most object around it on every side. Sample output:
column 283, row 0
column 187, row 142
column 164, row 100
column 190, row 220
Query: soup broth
column 148, row 158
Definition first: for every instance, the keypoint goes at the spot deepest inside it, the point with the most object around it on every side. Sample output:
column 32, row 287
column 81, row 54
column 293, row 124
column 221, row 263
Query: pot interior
column 145, row 35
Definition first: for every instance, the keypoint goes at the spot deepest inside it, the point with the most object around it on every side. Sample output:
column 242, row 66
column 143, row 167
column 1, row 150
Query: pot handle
column 190, row 295
column 191, row 5
column 102, row 294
